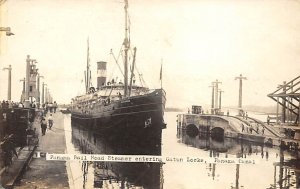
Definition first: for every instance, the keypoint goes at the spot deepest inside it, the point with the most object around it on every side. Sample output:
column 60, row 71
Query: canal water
column 273, row 167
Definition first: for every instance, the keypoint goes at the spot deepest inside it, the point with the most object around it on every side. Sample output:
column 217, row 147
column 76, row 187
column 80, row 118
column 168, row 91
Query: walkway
column 48, row 174
column 237, row 122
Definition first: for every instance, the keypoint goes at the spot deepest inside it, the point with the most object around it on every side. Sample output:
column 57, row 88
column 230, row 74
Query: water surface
column 273, row 168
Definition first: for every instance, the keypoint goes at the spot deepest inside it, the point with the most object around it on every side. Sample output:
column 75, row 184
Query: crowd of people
column 48, row 106
column 250, row 129
column 47, row 109
column 11, row 104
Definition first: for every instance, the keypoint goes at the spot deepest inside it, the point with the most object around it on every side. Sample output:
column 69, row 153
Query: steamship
column 123, row 112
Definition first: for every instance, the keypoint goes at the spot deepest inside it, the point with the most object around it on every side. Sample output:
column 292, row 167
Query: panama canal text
column 147, row 158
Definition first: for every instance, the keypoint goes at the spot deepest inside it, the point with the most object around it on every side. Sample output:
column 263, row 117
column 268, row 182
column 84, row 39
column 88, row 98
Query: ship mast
column 87, row 73
column 126, row 44
column 132, row 69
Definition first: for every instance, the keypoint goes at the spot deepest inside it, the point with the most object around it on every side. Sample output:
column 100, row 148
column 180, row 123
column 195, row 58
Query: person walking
column 268, row 120
column 46, row 107
column 50, row 105
column 43, row 126
column 54, row 106
column 50, row 121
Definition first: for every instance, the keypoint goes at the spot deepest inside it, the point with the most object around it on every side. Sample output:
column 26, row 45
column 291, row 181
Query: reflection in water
column 286, row 163
column 274, row 167
column 84, row 169
column 114, row 174
column 287, row 171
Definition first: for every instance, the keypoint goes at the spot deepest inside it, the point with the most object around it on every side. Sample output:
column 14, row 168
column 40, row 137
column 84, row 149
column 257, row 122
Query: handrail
column 265, row 126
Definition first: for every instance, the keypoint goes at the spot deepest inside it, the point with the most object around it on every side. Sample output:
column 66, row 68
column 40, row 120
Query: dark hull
column 127, row 122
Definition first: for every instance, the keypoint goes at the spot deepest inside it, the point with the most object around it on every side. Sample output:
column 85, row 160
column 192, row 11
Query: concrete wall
column 203, row 122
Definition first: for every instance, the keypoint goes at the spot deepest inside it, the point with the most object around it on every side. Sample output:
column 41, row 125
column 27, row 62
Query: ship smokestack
column 101, row 74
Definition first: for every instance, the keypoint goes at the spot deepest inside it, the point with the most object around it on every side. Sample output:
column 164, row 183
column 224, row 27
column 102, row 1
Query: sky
column 197, row 42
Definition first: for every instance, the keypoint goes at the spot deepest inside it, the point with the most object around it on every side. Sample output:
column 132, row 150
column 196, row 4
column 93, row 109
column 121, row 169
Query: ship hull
column 127, row 122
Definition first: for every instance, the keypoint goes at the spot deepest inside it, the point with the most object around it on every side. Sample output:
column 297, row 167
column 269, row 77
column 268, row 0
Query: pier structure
column 238, row 127
column 31, row 93
column 287, row 96
column 19, row 129
column 32, row 86
column 31, row 148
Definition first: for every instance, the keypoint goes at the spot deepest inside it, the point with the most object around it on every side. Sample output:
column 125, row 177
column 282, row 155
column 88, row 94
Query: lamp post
column 38, row 89
column 43, row 93
column 220, row 99
column 8, row 33
column 26, row 96
column 23, row 91
column 240, row 89
column 212, row 97
column 216, row 94
column 9, row 82
column 48, row 95
column 7, row 30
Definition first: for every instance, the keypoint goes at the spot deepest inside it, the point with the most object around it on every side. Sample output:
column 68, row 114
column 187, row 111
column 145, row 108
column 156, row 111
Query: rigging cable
column 116, row 60
column 142, row 82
